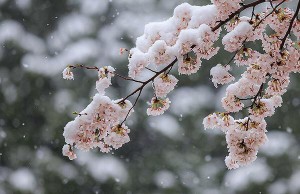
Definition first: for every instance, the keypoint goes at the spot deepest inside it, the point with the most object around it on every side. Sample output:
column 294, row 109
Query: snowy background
column 167, row 154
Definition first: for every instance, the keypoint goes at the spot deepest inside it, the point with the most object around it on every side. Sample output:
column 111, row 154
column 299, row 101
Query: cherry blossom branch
column 274, row 9
column 169, row 67
column 140, row 89
column 254, row 102
column 261, row 20
column 290, row 26
column 257, row 95
column 253, row 4
column 108, row 131
column 96, row 68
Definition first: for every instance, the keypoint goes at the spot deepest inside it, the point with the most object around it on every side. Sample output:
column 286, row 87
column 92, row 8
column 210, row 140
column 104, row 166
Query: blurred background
column 167, row 154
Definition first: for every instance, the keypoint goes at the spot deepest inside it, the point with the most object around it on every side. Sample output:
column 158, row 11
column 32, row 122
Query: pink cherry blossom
column 164, row 84
column 68, row 74
column 158, row 106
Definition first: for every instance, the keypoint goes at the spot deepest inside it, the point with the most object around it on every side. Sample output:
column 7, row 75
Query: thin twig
column 236, row 52
column 253, row 14
column 135, row 102
column 128, row 78
column 150, row 70
column 82, row 66
column 271, row 3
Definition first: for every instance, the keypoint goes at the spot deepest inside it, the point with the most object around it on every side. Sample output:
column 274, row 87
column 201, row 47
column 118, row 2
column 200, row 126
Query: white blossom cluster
column 100, row 123
column 188, row 38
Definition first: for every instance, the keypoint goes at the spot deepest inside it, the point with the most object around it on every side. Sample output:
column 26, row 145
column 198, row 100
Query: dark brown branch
column 253, row 13
column 82, row 66
column 290, row 26
column 137, row 98
column 271, row 3
column 150, row 70
column 128, row 78
column 250, row 98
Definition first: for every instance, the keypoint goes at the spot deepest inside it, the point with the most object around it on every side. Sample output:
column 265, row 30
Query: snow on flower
column 225, row 8
column 234, row 39
column 102, row 84
column 220, row 75
column 240, row 151
column 242, row 88
column 160, row 53
column 105, row 74
column 137, row 62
